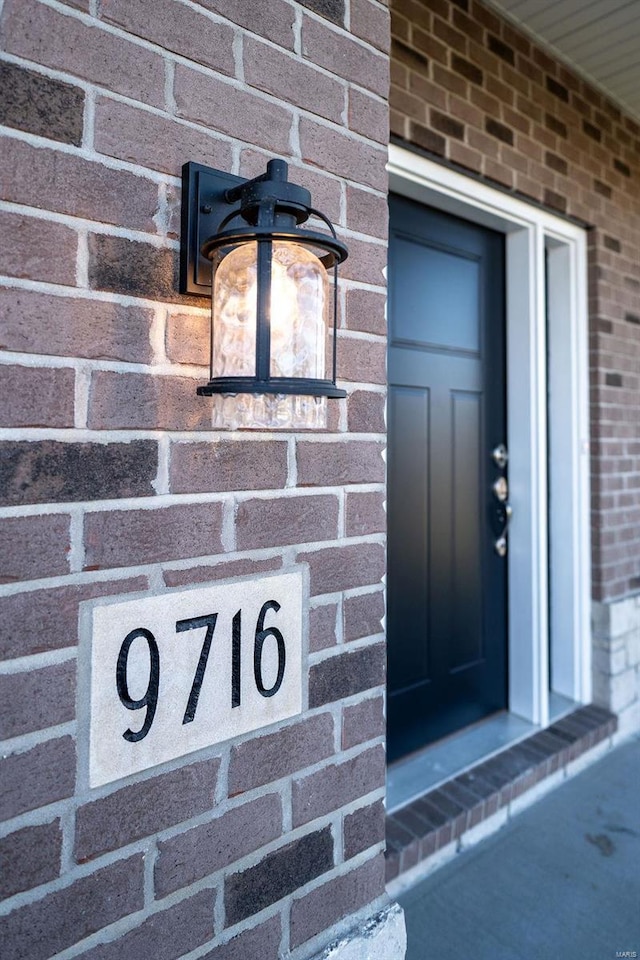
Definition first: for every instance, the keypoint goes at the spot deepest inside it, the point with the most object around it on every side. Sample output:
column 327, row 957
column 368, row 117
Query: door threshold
column 413, row 776
column 451, row 816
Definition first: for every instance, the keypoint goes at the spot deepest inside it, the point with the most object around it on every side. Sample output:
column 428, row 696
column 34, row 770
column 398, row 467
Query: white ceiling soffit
column 599, row 38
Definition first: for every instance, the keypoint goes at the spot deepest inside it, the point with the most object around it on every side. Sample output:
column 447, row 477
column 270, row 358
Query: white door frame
column 549, row 543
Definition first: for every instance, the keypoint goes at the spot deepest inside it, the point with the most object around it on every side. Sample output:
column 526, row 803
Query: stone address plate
column 173, row 673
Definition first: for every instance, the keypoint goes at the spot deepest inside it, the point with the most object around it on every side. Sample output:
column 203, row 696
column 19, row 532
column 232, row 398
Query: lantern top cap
column 273, row 191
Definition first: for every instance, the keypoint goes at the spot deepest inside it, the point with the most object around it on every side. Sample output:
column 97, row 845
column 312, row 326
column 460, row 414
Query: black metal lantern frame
column 221, row 212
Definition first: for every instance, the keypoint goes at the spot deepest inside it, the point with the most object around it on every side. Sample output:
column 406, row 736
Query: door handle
column 500, row 545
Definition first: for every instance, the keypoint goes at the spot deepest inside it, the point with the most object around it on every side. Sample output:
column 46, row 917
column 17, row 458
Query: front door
column 447, row 582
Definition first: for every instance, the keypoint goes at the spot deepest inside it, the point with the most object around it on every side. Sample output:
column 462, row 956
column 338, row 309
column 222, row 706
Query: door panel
column 409, row 537
column 446, row 585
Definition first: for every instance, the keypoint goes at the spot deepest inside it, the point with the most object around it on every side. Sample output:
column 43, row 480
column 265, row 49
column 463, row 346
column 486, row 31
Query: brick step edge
column 426, row 825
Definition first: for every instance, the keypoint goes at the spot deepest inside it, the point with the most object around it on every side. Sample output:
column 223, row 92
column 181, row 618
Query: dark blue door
column 447, row 585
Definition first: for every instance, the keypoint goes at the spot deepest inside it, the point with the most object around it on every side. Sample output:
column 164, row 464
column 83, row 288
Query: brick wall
column 113, row 481
column 471, row 90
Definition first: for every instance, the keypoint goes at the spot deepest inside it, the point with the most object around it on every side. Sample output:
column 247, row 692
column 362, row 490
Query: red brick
column 64, row 326
column 27, row 244
column 37, row 396
column 228, row 465
column 338, row 153
column 134, row 268
column 343, row 57
column 346, row 674
column 293, row 81
column 400, row 28
column 147, row 402
column 262, row 941
column 266, row 758
column 276, row 522
column 363, row 361
column 37, row 699
column 39, row 33
column 366, row 311
column 368, row 116
column 165, row 935
column 363, row 828
column 411, row 104
column 329, row 9
column 273, row 21
column 39, row 620
column 29, row 857
column 187, row 338
column 367, row 263
column 322, row 627
column 46, row 471
column 143, row 808
column 363, row 721
column 37, row 777
column 178, row 28
column 72, row 185
column 367, row 213
column 61, row 919
column 330, row 464
column 344, row 568
column 41, row 105
column 370, row 22
column 195, row 854
column 365, row 412
column 337, row 785
column 222, row 570
column 280, row 873
column 230, row 110
column 119, row 538
column 156, row 142
column 365, row 514
column 32, row 547
column 363, row 615
column 336, row 899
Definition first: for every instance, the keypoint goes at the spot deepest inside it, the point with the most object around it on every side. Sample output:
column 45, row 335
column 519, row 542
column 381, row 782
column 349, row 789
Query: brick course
column 205, row 849
column 165, row 935
column 154, row 804
column 50, row 925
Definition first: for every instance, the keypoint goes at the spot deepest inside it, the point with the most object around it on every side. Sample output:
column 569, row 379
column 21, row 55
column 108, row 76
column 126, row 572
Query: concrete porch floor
column 560, row 880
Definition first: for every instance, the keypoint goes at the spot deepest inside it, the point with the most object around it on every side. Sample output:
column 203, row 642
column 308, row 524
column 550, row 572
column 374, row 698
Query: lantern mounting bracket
column 204, row 207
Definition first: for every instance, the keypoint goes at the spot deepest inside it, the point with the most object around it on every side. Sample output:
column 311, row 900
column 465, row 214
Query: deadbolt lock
column 500, row 456
column 501, row 546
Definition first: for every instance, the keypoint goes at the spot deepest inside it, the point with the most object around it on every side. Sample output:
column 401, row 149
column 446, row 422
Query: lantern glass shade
column 300, row 341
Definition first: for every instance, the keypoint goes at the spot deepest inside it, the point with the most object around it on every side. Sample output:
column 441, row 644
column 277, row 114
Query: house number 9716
column 173, row 673
column 149, row 699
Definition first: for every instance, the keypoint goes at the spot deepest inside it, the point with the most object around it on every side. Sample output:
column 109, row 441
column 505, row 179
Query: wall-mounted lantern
column 273, row 306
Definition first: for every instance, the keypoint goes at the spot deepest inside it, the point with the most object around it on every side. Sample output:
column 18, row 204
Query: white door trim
column 549, row 546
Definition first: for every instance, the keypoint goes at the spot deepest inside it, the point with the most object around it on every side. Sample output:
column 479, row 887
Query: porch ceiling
column 599, row 38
